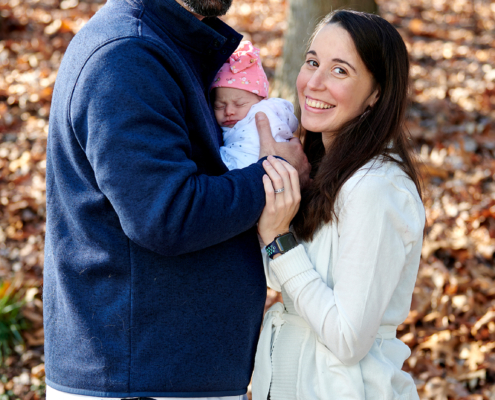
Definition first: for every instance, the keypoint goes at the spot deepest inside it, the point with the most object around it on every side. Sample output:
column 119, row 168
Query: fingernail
column 259, row 116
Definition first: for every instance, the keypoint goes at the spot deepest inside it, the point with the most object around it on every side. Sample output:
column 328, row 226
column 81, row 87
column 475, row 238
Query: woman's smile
column 312, row 104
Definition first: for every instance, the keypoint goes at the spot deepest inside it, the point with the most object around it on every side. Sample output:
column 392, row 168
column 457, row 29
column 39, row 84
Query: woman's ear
column 375, row 95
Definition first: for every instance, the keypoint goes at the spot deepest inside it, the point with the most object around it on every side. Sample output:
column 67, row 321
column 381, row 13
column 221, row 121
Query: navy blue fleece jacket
column 153, row 283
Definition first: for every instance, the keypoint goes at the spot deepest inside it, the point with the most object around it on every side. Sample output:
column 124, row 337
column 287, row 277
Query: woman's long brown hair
column 379, row 131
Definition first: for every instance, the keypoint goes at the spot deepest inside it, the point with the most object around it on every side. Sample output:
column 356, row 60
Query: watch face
column 286, row 242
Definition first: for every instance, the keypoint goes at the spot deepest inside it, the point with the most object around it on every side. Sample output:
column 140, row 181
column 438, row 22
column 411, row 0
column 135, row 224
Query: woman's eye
column 312, row 63
column 340, row 71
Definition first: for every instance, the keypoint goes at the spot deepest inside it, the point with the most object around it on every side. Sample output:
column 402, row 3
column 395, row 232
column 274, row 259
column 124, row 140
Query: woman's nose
column 316, row 81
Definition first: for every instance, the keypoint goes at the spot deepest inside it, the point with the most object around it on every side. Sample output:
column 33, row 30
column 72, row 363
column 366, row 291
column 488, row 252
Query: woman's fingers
column 294, row 180
column 285, row 201
column 276, row 179
column 286, row 197
column 289, row 174
column 293, row 175
column 269, row 191
column 282, row 206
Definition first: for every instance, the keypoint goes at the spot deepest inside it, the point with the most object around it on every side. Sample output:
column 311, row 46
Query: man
column 154, row 284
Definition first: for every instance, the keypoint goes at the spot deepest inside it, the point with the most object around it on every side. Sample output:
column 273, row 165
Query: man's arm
column 128, row 114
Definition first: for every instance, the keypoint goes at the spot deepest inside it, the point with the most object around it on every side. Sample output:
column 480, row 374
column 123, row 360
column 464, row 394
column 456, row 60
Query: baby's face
column 231, row 105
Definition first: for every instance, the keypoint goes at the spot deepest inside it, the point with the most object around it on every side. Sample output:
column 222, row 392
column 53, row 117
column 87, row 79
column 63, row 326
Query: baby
column 240, row 90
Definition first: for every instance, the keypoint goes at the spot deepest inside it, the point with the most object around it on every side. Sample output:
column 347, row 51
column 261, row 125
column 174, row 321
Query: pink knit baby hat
column 243, row 71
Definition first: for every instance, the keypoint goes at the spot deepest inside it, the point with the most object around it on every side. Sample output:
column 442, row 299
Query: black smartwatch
column 282, row 244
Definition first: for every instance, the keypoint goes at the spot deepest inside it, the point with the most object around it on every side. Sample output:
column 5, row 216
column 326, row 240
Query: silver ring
column 279, row 190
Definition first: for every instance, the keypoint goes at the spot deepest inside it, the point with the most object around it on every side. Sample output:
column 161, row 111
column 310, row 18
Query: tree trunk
column 302, row 19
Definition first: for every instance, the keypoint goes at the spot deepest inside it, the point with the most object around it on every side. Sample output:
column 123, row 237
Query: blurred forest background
column 451, row 118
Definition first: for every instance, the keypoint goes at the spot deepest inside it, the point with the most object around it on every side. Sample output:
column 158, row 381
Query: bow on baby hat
column 244, row 57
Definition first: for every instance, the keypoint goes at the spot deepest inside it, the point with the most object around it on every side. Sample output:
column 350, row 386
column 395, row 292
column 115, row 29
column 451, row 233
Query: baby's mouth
column 318, row 104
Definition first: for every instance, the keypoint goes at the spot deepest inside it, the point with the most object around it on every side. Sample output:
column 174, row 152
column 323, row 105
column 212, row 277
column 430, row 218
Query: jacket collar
column 211, row 36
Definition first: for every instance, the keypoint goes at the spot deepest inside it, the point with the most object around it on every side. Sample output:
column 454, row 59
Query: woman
column 349, row 283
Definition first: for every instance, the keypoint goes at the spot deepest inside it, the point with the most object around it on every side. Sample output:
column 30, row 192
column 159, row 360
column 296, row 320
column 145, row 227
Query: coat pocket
column 382, row 373
column 332, row 379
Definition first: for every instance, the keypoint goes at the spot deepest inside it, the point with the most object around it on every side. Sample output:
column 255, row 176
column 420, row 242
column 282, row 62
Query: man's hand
column 291, row 151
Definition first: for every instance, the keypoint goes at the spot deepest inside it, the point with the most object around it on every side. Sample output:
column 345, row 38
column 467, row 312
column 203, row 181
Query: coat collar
column 211, row 36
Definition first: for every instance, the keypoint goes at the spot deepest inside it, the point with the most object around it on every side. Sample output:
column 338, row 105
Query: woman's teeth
column 317, row 104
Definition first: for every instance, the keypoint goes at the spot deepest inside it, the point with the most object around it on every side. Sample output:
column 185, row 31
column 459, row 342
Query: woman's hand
column 280, row 207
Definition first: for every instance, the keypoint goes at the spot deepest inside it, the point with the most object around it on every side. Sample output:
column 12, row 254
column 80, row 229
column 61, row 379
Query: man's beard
column 208, row 8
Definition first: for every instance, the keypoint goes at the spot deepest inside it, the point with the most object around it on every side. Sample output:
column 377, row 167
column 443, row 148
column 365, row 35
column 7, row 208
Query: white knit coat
column 345, row 293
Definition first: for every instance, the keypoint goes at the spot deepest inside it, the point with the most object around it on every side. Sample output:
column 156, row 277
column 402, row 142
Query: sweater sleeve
column 128, row 113
column 378, row 225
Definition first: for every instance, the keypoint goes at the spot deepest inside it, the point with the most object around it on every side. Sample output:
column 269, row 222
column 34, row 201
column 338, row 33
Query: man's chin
column 208, row 8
